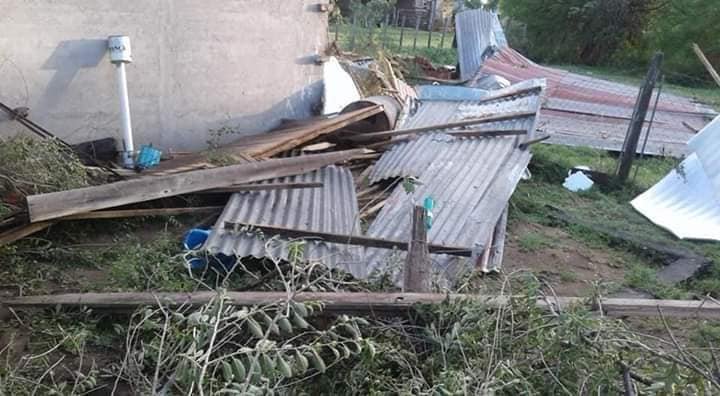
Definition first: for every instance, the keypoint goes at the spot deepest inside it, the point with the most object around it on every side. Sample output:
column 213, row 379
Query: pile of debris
column 350, row 181
column 347, row 181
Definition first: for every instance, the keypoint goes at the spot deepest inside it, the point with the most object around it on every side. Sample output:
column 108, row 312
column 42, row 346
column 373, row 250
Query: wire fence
column 398, row 35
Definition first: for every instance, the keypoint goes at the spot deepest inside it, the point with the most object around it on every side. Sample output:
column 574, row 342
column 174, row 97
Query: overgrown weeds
column 31, row 166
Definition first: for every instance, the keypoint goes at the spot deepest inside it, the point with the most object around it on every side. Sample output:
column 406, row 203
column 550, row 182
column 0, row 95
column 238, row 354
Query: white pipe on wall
column 125, row 121
column 120, row 54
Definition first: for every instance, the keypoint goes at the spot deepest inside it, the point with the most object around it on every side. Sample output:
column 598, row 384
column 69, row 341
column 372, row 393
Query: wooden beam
column 371, row 303
column 308, row 133
column 344, row 239
column 708, row 66
column 490, row 118
column 262, row 187
column 487, row 133
column 65, row 203
column 627, row 155
column 417, row 272
column 253, row 147
column 124, row 213
column 524, row 145
column 22, row 231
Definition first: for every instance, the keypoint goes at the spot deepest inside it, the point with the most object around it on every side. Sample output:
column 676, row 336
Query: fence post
column 417, row 30
column 337, row 31
column 444, row 31
column 383, row 35
column 402, row 30
column 353, row 31
column 417, row 265
column 430, row 26
column 638, row 118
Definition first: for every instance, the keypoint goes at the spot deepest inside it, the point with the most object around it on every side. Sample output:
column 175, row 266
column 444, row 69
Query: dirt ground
column 569, row 266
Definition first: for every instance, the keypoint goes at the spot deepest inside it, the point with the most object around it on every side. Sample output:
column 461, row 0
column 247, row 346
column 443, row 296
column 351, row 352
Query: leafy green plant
column 31, row 166
column 222, row 348
column 158, row 265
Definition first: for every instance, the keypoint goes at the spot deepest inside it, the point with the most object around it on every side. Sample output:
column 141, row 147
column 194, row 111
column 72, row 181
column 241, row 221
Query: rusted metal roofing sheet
column 332, row 208
column 587, row 111
column 470, row 179
column 475, row 33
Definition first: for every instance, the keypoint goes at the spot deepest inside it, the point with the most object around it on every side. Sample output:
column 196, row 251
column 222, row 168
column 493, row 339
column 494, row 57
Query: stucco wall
column 198, row 65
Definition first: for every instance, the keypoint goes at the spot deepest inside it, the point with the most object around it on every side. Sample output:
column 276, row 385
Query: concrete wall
column 198, row 65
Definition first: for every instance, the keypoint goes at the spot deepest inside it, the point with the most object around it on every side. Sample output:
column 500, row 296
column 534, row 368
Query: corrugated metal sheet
column 410, row 159
column 332, row 208
column 587, row 111
column 499, row 32
column 470, row 180
column 706, row 144
column 449, row 92
column 475, row 33
column 683, row 203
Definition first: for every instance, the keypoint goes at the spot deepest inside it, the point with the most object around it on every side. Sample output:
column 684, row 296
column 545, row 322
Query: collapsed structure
column 347, row 181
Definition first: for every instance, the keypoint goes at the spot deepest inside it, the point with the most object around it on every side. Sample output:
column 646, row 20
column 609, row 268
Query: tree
column 578, row 31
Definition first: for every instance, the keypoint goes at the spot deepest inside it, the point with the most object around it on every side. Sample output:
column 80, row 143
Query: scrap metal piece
column 332, row 208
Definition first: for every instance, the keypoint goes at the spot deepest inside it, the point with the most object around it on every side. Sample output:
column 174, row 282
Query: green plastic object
column 428, row 204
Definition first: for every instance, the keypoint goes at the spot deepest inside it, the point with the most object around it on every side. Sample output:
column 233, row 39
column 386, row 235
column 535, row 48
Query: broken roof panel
column 583, row 110
column 683, row 203
column 475, row 34
column 707, row 146
column 470, row 179
column 411, row 159
column 332, row 208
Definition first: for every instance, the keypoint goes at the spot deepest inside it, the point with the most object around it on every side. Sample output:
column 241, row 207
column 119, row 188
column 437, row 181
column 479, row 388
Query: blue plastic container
column 148, row 157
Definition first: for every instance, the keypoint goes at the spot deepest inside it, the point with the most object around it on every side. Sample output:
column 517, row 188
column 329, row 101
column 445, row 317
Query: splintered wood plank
column 252, row 147
column 22, row 231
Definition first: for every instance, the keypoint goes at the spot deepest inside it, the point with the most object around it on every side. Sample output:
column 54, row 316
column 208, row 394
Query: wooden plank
column 263, row 187
column 372, row 210
column 708, row 66
column 65, row 203
column 498, row 242
column 249, row 148
column 487, row 133
column 371, row 303
column 457, row 124
column 124, row 213
column 524, row 145
column 417, row 272
column 22, row 231
column 345, row 239
column 627, row 155
column 294, row 138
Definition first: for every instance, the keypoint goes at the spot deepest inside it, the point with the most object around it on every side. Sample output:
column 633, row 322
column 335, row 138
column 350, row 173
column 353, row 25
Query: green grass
column 367, row 41
column 534, row 201
column 709, row 95
column 533, row 242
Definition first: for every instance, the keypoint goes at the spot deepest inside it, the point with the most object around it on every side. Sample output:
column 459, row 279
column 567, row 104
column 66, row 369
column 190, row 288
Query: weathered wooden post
column 708, row 66
column 417, row 265
column 383, row 35
column 353, row 32
column 444, row 32
column 431, row 21
column 402, row 30
column 638, row 118
column 417, row 30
